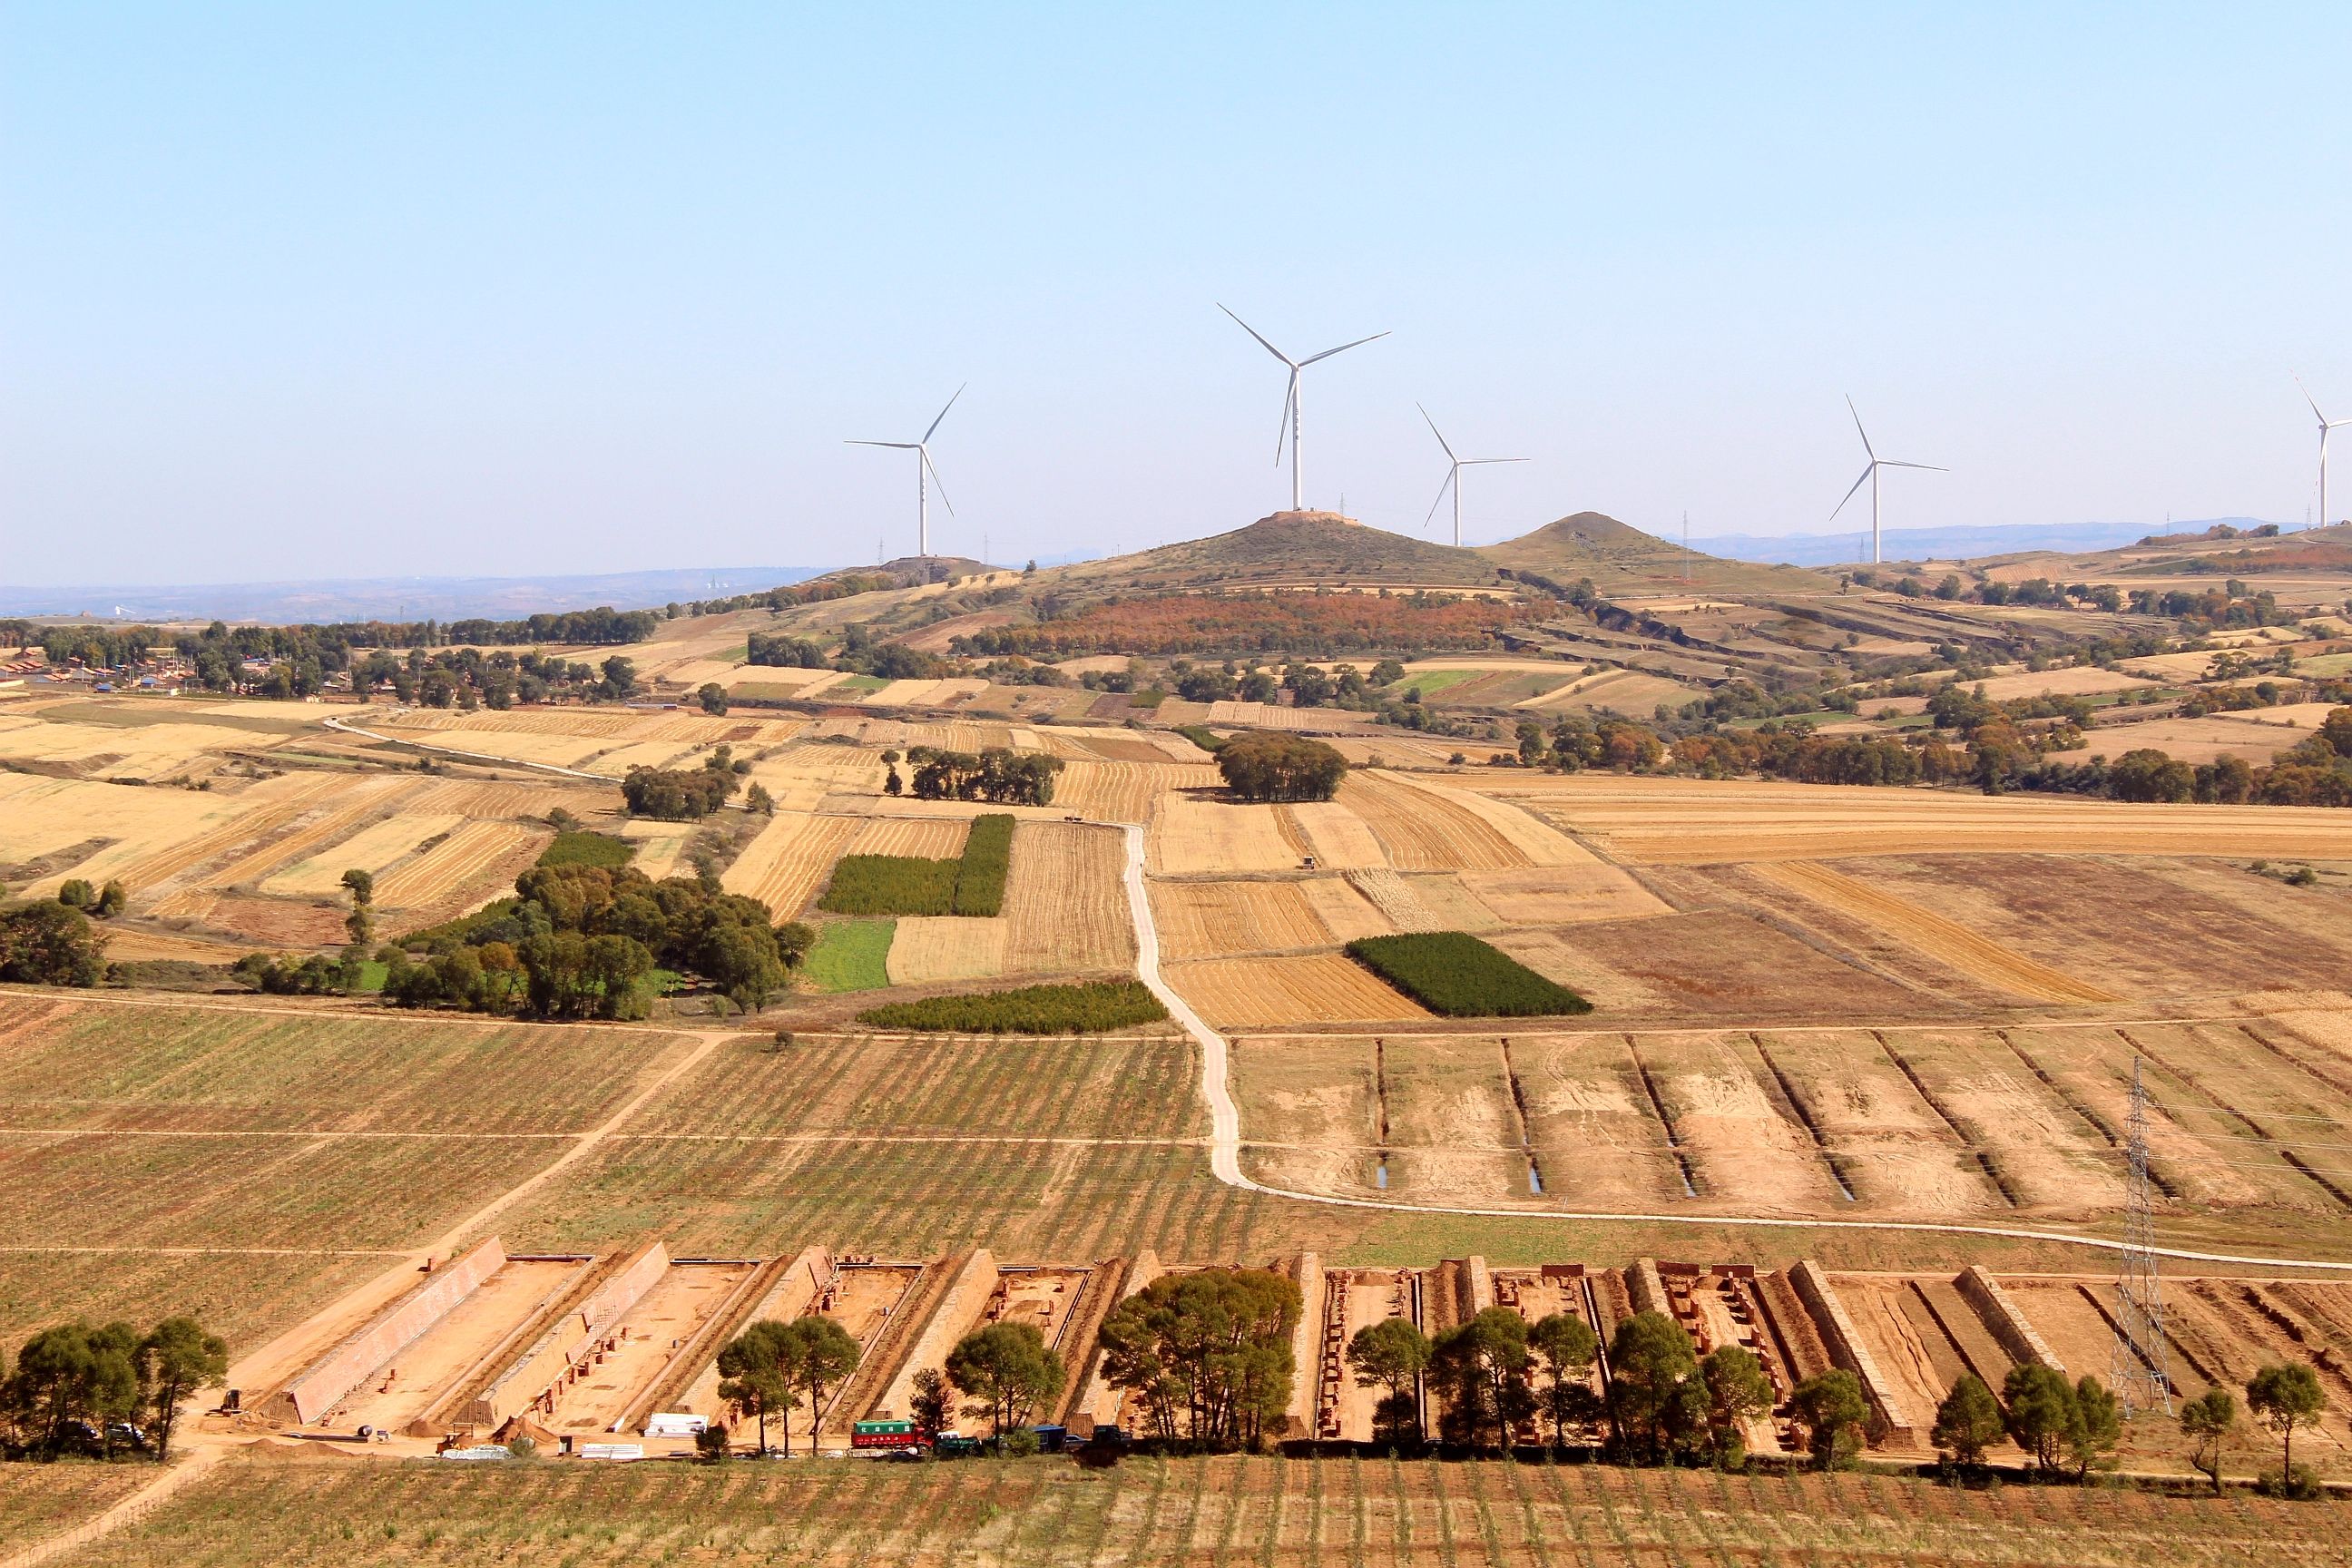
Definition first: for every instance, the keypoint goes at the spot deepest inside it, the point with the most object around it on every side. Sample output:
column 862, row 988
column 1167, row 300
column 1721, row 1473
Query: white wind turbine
column 923, row 470
column 2326, row 424
column 1290, row 410
column 1871, row 475
column 1454, row 475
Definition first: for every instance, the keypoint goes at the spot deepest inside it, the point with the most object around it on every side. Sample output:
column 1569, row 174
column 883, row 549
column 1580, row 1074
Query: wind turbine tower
column 1870, row 474
column 1291, row 419
column 1454, row 474
column 2326, row 424
column 925, row 475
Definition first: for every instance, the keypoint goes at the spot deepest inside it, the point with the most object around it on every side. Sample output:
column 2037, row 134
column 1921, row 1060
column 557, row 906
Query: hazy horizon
column 289, row 295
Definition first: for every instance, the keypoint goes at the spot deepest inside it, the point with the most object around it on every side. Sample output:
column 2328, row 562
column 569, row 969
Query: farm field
column 295, row 1509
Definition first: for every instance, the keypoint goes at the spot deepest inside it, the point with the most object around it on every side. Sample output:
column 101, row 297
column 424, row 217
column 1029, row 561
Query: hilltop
column 1287, row 549
column 1621, row 559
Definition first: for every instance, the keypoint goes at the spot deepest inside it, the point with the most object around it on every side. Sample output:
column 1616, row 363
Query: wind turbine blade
column 943, row 412
column 1436, row 432
column 895, row 445
column 1282, row 431
column 1452, row 475
column 937, row 480
column 1343, row 348
column 1857, row 485
column 1891, row 463
column 1858, row 430
column 1472, row 462
column 1261, row 338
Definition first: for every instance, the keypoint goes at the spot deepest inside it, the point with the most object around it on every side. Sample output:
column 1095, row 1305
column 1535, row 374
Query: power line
column 2137, row 1369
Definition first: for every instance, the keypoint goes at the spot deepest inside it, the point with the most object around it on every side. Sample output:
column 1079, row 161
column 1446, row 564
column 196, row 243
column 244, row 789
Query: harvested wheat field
column 1428, row 828
column 789, row 860
column 927, row 948
column 1692, row 821
column 374, row 848
column 1269, row 992
column 1562, row 895
column 1127, row 791
column 1192, row 836
column 924, row 839
column 1064, row 905
column 1214, row 919
column 1336, row 837
column 477, row 858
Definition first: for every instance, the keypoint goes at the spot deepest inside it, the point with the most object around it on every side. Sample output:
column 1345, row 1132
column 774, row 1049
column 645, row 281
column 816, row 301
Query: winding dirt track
column 1224, row 1139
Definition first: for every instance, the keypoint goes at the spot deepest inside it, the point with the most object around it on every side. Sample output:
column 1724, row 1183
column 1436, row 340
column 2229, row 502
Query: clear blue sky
column 346, row 291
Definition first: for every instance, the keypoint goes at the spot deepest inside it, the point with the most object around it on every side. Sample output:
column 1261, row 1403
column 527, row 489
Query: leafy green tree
column 1483, row 1366
column 112, row 900
column 756, row 1377
column 713, row 698
column 821, row 1354
column 75, row 893
column 1568, row 1347
column 1392, row 1354
column 2097, row 1427
column 1969, row 1421
column 2042, row 1411
column 361, row 884
column 1008, row 1368
column 1208, row 1353
column 50, row 944
column 2284, row 1396
column 178, row 1358
column 2208, row 1422
column 73, row 1373
column 1738, row 1391
column 1270, row 766
column 758, row 799
column 1831, row 1407
column 932, row 1404
column 1655, row 1398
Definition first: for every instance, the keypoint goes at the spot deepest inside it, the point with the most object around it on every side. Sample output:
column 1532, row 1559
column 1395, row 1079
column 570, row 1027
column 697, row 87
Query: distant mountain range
column 1947, row 543
column 398, row 598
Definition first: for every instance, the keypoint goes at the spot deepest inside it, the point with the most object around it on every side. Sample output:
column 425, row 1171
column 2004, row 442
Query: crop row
column 1092, row 1007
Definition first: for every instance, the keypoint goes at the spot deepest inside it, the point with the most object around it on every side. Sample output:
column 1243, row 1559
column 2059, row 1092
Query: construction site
column 575, row 1351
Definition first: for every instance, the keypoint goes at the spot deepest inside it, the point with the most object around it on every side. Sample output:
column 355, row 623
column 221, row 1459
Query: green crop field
column 1091, row 1008
column 582, row 849
column 1270, row 1510
column 890, row 885
column 1454, row 973
column 850, row 955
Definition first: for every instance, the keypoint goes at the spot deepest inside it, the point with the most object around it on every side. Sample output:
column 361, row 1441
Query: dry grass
column 921, row 837
column 474, row 860
column 1428, row 829
column 373, row 849
column 1563, row 895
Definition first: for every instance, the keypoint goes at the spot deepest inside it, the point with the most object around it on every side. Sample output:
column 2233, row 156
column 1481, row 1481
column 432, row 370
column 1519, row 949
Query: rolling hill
column 1624, row 560
column 1287, row 549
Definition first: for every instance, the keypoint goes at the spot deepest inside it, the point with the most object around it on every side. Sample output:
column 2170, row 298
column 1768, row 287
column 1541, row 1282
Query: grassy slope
column 851, row 955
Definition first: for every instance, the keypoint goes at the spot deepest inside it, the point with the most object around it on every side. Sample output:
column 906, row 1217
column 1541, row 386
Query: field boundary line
column 1224, row 1141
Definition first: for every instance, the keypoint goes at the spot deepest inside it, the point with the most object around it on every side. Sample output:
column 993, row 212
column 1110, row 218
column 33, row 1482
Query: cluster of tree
column 580, row 940
column 782, row 652
column 106, row 902
column 997, row 775
column 2064, row 1427
column 1665, row 1403
column 1577, row 740
column 768, row 1369
column 79, row 1389
column 861, row 653
column 1796, row 754
column 1089, row 1007
column 468, row 679
column 1006, row 1370
column 684, row 795
column 312, row 974
column 1208, row 1355
column 1270, row 765
column 1306, row 624
column 307, row 654
column 45, row 942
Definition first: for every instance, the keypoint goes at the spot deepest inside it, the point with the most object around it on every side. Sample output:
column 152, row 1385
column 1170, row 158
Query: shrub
column 1453, row 973
column 890, row 885
column 50, row 944
column 1200, row 735
column 1084, row 1009
column 1270, row 766
column 573, row 847
column 987, row 857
